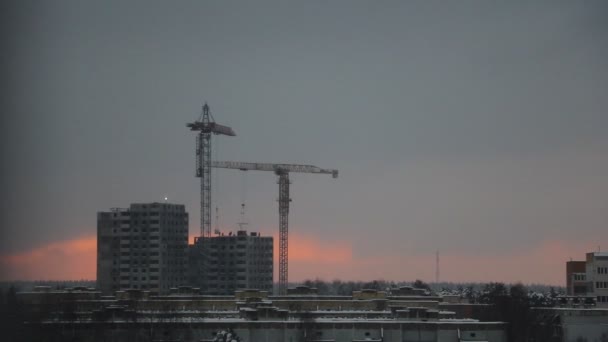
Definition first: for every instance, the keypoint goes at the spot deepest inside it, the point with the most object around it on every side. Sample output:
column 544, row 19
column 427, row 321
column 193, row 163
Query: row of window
column 229, row 278
column 126, row 242
column 176, row 227
column 160, row 205
column 254, row 247
column 135, row 270
column 172, row 232
column 164, row 222
column 153, row 255
column 128, row 237
column 251, row 278
column 153, row 213
column 153, row 269
column 231, row 286
column 144, row 262
column 265, row 254
column 602, row 270
column 579, row 277
column 602, row 299
column 144, row 254
column 151, row 278
column 601, row 284
column 230, row 265
column 136, row 278
column 156, row 213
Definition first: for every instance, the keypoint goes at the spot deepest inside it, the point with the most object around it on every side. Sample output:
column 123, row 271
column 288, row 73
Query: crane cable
column 215, row 180
column 243, row 219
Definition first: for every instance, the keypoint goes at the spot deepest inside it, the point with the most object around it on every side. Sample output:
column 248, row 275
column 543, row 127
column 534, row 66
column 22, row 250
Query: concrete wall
column 274, row 331
column 585, row 325
column 596, row 261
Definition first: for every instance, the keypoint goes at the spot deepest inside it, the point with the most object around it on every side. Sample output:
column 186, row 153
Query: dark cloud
column 453, row 125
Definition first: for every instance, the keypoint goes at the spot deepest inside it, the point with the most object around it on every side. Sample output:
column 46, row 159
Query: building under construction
column 202, row 262
column 232, row 262
column 142, row 247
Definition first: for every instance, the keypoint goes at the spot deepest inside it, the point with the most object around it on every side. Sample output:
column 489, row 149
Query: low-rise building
column 252, row 315
column 588, row 279
column 576, row 278
column 597, row 277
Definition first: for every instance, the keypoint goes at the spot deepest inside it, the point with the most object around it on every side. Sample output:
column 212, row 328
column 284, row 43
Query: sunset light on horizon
column 350, row 171
column 312, row 258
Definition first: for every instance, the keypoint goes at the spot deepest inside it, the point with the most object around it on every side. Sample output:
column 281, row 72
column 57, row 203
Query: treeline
column 346, row 288
column 514, row 304
column 24, row 286
column 472, row 291
column 511, row 303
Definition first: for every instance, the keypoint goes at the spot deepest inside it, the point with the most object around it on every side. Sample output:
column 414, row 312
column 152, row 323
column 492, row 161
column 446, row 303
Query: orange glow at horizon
column 62, row 260
column 311, row 258
column 307, row 249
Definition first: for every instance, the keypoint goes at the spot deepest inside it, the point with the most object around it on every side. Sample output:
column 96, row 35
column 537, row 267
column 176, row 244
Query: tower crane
column 206, row 126
column 282, row 171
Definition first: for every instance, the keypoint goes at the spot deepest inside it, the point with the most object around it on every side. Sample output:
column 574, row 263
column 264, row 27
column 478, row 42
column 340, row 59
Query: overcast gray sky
column 477, row 128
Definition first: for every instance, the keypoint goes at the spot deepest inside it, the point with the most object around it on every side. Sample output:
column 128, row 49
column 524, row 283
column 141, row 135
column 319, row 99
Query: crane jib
column 277, row 168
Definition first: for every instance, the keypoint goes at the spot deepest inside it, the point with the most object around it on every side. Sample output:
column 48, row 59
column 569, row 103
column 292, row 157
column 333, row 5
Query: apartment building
column 576, row 278
column 223, row 264
column 142, row 247
column 597, row 277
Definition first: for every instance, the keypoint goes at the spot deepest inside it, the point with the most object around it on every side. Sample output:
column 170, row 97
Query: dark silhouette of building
column 142, row 247
column 223, row 264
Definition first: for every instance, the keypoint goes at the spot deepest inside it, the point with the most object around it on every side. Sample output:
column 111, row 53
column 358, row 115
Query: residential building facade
column 576, row 278
column 597, row 277
column 142, row 247
column 221, row 265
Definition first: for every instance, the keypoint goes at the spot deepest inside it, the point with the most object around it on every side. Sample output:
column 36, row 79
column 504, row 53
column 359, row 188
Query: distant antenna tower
column 437, row 268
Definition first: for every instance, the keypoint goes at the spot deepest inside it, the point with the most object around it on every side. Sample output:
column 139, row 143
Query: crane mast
column 282, row 171
column 284, row 201
column 206, row 126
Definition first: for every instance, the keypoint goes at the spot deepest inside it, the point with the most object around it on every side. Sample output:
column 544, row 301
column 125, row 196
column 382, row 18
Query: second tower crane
column 282, row 171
